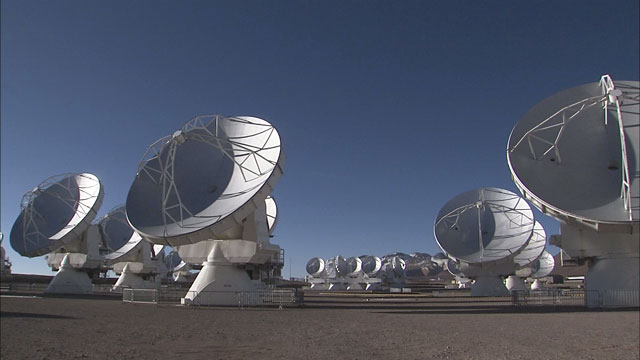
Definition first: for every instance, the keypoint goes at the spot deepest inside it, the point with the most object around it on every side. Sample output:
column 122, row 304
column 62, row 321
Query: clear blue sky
column 387, row 109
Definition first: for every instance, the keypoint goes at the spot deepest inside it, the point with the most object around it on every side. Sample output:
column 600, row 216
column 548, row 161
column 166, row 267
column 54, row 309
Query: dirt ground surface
column 65, row 328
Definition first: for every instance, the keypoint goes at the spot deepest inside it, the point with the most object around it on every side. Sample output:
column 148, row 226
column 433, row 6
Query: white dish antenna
column 204, row 179
column 128, row 254
column 354, row 265
column 117, row 235
column 454, row 269
column 341, row 266
column 371, row 264
column 575, row 155
column 330, row 268
column 398, row 265
column 56, row 213
column 484, row 225
column 315, row 266
column 543, row 266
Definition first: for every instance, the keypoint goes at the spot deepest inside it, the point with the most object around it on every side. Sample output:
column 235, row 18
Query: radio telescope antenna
column 483, row 230
column 371, row 266
column 543, row 266
column 526, row 257
column 338, row 269
column 134, row 259
column 576, row 157
column 202, row 190
column 176, row 267
column 454, row 269
column 316, row 268
column 355, row 276
column 392, row 272
column 56, row 219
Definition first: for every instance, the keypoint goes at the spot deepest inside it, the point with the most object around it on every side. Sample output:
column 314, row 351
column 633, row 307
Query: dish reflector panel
column 576, row 154
column 534, row 248
column 454, row 269
column 203, row 179
column 115, row 229
column 484, row 225
column 543, row 266
column 56, row 213
column 272, row 213
column 173, row 262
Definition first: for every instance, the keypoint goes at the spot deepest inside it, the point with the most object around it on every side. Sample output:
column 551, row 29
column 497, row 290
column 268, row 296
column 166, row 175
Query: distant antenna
column 526, row 257
column 129, row 255
column 483, row 230
column 542, row 267
column 315, row 266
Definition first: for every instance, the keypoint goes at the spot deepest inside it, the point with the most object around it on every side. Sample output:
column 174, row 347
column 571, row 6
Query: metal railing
column 242, row 299
column 140, row 295
column 614, row 299
column 578, row 297
column 575, row 297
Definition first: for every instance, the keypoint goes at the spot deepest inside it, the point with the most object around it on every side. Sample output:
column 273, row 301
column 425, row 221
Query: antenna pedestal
column 319, row 284
column 515, row 283
column 138, row 261
column 537, row 285
column 614, row 267
column 489, row 286
column 130, row 279
column 463, row 282
column 613, row 282
column 373, row 284
column 337, row 286
column 219, row 282
column 68, row 280
column 356, row 282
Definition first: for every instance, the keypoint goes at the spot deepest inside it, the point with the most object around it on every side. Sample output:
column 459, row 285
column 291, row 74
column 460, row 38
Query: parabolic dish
column 330, row 268
column 341, row 266
column 173, row 262
column 315, row 266
column 454, row 269
column 115, row 229
column 543, row 266
column 204, row 179
column 534, row 248
column 484, row 225
column 354, row 264
column 371, row 264
column 56, row 213
column 576, row 154
column 398, row 265
column 157, row 249
column 272, row 213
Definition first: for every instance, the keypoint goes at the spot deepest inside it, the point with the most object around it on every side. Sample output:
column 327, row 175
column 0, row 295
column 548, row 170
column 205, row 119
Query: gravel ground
column 64, row 328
